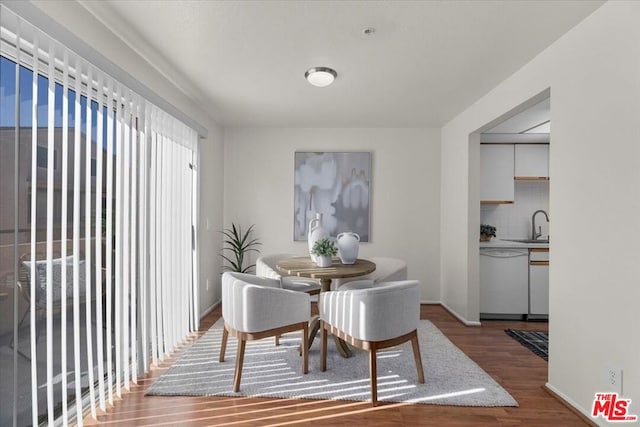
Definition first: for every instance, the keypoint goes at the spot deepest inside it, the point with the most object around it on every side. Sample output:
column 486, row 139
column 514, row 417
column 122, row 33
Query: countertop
column 497, row 243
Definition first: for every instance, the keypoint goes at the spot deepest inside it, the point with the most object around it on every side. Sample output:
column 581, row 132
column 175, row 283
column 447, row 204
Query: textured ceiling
column 244, row 61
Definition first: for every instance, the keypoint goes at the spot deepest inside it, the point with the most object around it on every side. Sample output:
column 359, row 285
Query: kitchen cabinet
column 503, row 282
column 531, row 161
column 496, row 173
column 539, row 283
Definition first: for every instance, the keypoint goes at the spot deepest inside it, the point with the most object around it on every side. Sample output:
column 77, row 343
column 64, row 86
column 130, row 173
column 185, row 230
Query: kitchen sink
column 541, row 241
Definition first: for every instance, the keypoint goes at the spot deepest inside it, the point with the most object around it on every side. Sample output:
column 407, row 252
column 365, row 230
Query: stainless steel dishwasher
column 504, row 283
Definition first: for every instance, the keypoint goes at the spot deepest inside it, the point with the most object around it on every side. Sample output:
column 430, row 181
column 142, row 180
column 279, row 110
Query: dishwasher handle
column 504, row 253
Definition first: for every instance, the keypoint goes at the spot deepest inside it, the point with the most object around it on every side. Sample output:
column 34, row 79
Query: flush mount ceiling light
column 320, row 76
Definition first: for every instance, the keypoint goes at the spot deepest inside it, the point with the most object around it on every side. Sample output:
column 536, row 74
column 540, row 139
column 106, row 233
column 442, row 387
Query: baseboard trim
column 460, row 318
column 569, row 403
column 210, row 309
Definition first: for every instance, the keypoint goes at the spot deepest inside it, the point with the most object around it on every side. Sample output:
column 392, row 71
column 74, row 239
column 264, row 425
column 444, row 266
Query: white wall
column 211, row 217
column 594, row 76
column 83, row 25
column 405, row 190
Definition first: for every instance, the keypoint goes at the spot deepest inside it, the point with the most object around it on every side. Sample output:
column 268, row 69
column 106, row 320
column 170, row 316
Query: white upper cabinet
column 531, row 161
column 496, row 173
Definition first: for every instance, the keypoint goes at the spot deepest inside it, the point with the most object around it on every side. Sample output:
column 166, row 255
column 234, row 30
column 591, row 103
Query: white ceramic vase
column 323, row 261
column 316, row 232
column 348, row 245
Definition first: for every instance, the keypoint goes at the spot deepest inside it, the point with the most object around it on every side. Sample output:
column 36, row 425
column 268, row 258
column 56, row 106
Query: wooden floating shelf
column 539, row 249
column 496, row 202
column 531, row 178
column 539, row 263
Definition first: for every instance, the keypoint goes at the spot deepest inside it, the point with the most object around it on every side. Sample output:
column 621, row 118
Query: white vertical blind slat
column 134, row 249
column 162, row 245
column 169, row 166
column 160, row 278
column 98, row 237
column 76, row 244
column 32, row 274
column 185, row 237
column 176, row 227
column 183, row 309
column 170, row 246
column 143, row 238
column 165, row 246
column 152, row 249
column 192, row 243
column 50, row 210
column 186, row 242
column 192, row 235
column 126, row 245
column 16, row 115
column 195, row 221
column 87, row 241
column 109, row 241
column 63, row 235
column 118, row 234
column 154, row 239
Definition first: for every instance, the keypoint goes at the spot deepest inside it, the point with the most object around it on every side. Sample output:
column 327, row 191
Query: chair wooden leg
column 223, row 344
column 276, row 340
column 239, row 362
column 373, row 372
column 323, row 347
column 305, row 348
column 416, row 356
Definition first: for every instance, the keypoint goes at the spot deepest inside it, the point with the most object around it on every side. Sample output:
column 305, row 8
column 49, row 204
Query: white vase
column 348, row 244
column 323, row 261
column 316, row 232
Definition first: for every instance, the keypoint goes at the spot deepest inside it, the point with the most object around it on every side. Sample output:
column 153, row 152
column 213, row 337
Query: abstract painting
column 337, row 185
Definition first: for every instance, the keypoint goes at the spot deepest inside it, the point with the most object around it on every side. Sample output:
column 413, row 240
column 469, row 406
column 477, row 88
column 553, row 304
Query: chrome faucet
column 535, row 234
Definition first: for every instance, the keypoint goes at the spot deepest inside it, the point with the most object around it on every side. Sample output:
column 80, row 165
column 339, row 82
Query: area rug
column 452, row 378
column 536, row 341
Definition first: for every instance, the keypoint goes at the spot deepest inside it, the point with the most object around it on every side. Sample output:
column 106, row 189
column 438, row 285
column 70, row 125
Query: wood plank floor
column 518, row 370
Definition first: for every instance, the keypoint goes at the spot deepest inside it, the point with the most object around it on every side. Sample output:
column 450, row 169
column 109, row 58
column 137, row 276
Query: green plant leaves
column 239, row 244
column 488, row 230
column 324, row 247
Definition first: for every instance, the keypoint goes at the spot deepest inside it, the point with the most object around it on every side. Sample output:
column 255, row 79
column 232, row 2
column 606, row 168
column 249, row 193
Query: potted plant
column 239, row 244
column 487, row 232
column 324, row 249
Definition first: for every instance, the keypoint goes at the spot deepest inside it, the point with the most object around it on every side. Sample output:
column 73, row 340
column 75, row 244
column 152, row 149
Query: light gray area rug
column 451, row 378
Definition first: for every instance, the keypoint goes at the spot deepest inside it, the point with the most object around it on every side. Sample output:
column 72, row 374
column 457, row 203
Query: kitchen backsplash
column 513, row 221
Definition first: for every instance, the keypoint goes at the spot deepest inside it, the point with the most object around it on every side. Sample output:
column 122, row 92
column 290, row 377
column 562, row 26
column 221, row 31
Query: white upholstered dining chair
column 266, row 267
column 388, row 269
column 372, row 316
column 257, row 307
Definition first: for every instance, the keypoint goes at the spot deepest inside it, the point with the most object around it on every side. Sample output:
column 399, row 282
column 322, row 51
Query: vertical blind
column 118, row 267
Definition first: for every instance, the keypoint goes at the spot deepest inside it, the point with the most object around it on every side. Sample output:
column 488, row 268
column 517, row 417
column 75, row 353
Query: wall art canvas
column 336, row 184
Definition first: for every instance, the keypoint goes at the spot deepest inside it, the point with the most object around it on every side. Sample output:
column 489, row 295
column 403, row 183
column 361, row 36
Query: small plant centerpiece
column 324, row 249
column 487, row 232
column 239, row 244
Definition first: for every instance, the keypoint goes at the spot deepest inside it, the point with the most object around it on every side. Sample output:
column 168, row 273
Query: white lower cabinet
column 539, row 283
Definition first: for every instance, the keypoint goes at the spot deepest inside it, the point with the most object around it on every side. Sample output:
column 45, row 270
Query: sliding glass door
column 96, row 232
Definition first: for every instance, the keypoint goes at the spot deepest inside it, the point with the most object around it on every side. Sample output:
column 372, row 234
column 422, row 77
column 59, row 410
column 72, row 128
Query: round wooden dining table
column 305, row 267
